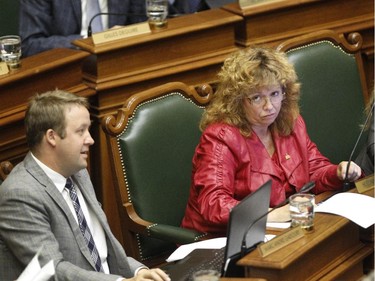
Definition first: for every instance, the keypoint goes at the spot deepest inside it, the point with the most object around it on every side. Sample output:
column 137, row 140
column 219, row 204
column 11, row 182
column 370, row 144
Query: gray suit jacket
column 33, row 213
column 52, row 24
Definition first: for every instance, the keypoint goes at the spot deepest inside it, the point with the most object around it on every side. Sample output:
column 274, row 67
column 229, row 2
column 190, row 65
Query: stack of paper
column 356, row 207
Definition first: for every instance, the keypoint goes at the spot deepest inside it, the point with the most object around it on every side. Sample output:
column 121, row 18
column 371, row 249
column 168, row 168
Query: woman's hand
column 354, row 171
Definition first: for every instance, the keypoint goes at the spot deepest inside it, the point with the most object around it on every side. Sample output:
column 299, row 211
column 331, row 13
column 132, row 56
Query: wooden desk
column 332, row 251
column 58, row 68
column 190, row 49
column 275, row 21
column 243, row 279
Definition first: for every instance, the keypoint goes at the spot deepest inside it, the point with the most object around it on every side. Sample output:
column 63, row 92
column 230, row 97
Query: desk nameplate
column 281, row 241
column 250, row 3
column 3, row 68
column 121, row 33
column 365, row 184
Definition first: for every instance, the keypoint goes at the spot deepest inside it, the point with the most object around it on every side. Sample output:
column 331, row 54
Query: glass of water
column 157, row 13
column 206, row 275
column 301, row 208
column 10, row 50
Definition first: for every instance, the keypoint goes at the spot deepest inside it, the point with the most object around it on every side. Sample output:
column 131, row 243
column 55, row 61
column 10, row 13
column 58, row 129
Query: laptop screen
column 243, row 218
column 243, row 215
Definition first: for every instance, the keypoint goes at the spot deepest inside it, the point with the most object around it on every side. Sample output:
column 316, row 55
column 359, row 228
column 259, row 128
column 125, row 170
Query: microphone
column 347, row 184
column 89, row 28
column 306, row 188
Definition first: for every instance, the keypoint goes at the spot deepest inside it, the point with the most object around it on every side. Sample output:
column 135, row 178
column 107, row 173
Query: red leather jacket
column 228, row 166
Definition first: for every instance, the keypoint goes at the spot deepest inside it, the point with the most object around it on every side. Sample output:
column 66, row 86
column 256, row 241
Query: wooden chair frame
column 132, row 225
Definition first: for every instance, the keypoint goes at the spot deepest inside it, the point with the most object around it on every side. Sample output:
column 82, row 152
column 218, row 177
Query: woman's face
column 263, row 106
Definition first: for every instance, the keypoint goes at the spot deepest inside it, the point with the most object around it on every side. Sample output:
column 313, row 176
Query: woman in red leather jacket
column 253, row 132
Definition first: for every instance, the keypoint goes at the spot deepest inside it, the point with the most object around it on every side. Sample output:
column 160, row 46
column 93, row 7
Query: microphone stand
column 89, row 28
column 347, row 184
column 306, row 188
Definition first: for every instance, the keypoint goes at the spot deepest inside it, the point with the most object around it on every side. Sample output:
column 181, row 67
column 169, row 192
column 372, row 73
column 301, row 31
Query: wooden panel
column 327, row 237
column 190, row 42
column 272, row 22
column 242, row 279
column 58, row 68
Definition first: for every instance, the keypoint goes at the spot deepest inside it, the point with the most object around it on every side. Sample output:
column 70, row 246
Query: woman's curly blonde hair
column 244, row 73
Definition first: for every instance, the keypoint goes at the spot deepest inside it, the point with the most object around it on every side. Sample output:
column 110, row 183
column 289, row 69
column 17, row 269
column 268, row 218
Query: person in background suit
column 365, row 158
column 36, row 211
column 46, row 25
column 52, row 24
column 178, row 7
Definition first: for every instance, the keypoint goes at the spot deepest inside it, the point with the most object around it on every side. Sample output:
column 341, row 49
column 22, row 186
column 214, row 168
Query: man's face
column 72, row 151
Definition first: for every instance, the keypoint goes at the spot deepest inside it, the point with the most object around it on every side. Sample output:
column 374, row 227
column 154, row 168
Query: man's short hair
column 47, row 111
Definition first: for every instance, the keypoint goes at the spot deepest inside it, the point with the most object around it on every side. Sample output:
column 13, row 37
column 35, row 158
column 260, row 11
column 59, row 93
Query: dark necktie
column 194, row 5
column 83, row 225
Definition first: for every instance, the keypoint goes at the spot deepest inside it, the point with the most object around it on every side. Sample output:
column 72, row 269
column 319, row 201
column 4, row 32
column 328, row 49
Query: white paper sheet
column 281, row 225
column 184, row 250
column 215, row 243
column 33, row 271
column 358, row 208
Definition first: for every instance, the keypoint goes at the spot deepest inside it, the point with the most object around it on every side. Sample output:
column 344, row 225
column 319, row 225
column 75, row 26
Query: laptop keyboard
column 197, row 260
column 215, row 263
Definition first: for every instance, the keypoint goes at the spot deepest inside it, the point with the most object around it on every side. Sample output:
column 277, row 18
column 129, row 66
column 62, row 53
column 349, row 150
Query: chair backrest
column 152, row 143
column 9, row 16
column 333, row 89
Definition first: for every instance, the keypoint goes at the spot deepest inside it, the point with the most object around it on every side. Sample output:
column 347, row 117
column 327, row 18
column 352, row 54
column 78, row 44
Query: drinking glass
column 206, row 275
column 157, row 12
column 10, row 50
column 301, row 207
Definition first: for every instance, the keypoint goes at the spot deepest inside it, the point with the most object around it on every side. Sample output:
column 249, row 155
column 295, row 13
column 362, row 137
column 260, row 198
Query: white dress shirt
column 103, row 8
column 92, row 221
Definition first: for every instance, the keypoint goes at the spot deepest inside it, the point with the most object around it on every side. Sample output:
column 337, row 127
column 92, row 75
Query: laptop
column 247, row 216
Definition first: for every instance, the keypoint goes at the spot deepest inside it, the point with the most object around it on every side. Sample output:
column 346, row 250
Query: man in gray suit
column 36, row 208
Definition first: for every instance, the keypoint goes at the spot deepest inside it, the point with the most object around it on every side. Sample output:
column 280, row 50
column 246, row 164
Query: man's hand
column 155, row 274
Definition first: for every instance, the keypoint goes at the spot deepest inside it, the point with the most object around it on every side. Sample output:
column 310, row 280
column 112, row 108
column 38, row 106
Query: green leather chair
column 151, row 142
column 9, row 16
column 333, row 90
